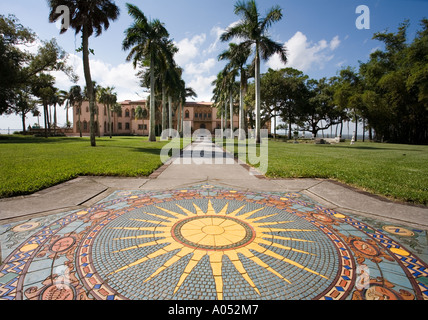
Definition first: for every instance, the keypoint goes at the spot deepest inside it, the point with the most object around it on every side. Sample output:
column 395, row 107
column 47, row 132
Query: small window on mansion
column 187, row 116
column 127, row 113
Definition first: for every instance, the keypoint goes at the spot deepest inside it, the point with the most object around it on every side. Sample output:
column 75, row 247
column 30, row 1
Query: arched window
column 187, row 116
column 127, row 113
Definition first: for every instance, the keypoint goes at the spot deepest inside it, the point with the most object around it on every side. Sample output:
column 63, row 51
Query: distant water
column 320, row 135
column 9, row 131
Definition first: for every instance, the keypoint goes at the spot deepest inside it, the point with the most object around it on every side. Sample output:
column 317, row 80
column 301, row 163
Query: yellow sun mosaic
column 216, row 234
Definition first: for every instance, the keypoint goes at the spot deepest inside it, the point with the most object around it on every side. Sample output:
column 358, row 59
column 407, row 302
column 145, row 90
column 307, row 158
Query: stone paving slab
column 69, row 194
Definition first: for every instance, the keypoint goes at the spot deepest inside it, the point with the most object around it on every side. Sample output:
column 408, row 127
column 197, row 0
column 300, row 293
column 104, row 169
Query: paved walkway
column 210, row 231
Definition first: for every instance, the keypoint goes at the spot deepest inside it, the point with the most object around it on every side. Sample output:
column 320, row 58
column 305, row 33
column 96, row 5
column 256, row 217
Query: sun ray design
column 198, row 233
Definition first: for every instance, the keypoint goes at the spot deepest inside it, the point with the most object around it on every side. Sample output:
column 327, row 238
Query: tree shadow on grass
column 30, row 139
column 147, row 150
column 404, row 149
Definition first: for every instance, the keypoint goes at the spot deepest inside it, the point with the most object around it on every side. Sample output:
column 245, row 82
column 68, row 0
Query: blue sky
column 320, row 35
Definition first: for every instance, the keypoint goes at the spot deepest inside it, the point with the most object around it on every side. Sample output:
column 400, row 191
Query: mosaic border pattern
column 356, row 243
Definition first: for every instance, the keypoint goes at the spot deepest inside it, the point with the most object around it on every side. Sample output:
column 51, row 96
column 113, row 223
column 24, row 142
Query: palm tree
column 53, row 101
column 44, row 89
column 76, row 97
column 87, row 17
column 95, row 90
column 109, row 99
column 171, row 80
column 238, row 56
column 187, row 93
column 220, row 97
column 167, row 78
column 253, row 30
column 147, row 41
column 176, row 86
column 229, row 75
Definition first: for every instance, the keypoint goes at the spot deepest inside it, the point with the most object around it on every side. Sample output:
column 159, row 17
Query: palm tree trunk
column 55, row 119
column 98, row 121
column 231, row 113
column 225, row 115
column 258, row 101
column 181, row 118
column 45, row 118
column 152, row 134
column 241, row 112
column 66, row 115
column 80, row 122
column 356, row 125
column 163, row 112
column 170, row 116
column 89, row 84
column 109, row 121
column 50, row 116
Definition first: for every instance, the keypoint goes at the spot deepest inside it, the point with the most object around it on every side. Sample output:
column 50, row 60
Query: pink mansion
column 201, row 115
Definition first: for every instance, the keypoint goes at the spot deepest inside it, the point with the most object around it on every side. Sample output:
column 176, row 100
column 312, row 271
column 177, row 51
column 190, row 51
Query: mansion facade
column 201, row 115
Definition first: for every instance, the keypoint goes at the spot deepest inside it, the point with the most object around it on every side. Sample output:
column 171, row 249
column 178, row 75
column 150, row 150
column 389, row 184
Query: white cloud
column 189, row 48
column 215, row 32
column 202, row 86
column 334, row 44
column 122, row 77
column 304, row 55
column 200, row 68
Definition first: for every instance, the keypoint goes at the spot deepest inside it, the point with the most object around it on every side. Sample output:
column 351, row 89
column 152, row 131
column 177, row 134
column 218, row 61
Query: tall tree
column 108, row 97
column 220, row 97
column 76, row 98
column 87, row 17
column 20, row 69
column 238, row 55
column 228, row 86
column 44, row 89
column 167, row 75
column 320, row 112
column 147, row 41
column 24, row 104
column 395, row 95
column 252, row 29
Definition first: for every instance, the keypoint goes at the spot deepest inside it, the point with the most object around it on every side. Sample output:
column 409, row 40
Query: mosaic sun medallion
column 207, row 243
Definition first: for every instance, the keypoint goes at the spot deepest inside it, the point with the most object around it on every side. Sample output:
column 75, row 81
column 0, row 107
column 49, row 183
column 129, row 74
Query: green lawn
column 30, row 164
column 392, row 170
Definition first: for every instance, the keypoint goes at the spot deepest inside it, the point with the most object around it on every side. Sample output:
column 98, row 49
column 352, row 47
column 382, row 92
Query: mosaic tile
column 209, row 242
